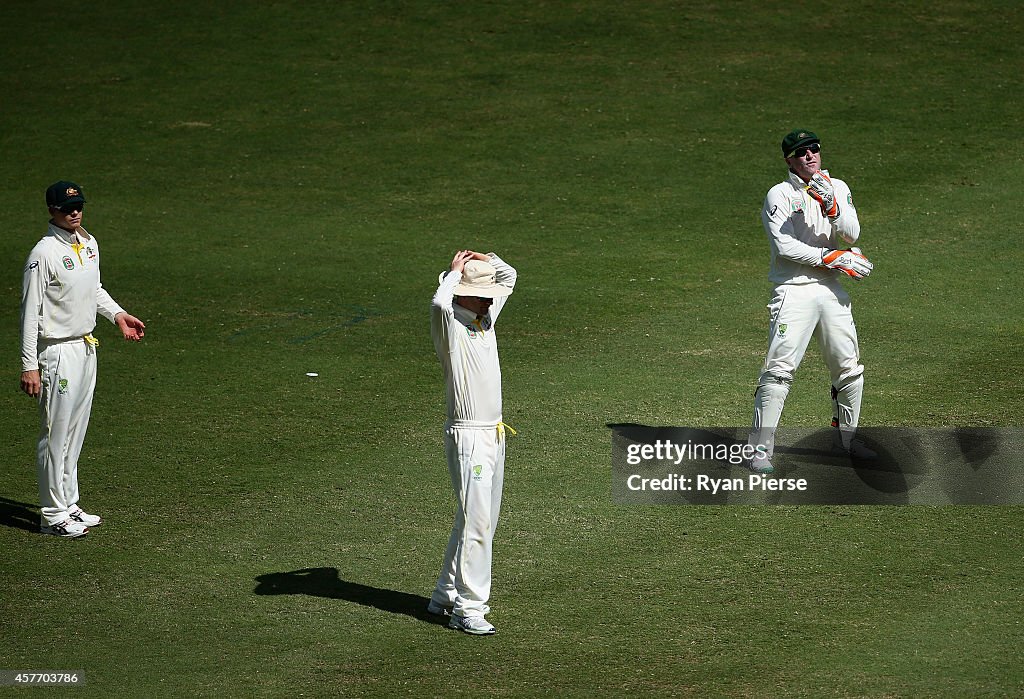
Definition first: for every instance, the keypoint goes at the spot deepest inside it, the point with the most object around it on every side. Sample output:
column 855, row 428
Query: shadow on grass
column 324, row 582
column 19, row 515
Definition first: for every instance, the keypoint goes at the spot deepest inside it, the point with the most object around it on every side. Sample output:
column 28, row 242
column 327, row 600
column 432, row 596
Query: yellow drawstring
column 501, row 430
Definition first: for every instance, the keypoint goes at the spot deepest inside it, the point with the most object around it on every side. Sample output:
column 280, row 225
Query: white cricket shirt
column 798, row 231
column 61, row 292
column 468, row 350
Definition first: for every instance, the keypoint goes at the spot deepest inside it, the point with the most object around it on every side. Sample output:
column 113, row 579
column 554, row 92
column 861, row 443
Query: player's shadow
column 887, row 478
column 977, row 444
column 19, row 515
column 324, row 582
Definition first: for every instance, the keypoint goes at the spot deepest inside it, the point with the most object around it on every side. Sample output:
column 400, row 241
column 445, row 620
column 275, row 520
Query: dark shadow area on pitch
column 324, row 582
column 891, row 474
column 977, row 444
column 817, row 448
column 19, row 515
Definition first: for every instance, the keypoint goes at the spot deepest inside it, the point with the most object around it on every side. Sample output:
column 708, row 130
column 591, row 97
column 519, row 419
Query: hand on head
column 464, row 256
column 460, row 260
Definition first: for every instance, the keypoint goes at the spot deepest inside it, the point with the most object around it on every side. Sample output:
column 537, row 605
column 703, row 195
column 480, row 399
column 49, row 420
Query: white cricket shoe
column 762, row 466
column 77, row 514
column 68, row 529
column 475, row 625
column 439, row 609
column 857, row 450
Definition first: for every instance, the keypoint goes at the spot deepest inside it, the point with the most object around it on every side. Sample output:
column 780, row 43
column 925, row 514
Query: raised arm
column 445, row 294
column 506, row 275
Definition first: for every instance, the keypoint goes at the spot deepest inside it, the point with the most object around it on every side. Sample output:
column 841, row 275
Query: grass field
column 276, row 186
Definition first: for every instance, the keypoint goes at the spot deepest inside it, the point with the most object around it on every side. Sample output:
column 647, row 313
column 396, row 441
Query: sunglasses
column 484, row 298
column 71, row 208
column 802, row 151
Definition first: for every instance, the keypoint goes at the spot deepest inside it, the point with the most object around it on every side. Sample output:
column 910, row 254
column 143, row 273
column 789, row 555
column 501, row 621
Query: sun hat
column 478, row 279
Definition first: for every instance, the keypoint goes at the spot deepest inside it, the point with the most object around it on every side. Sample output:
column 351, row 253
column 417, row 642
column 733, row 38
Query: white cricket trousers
column 476, row 464
column 796, row 312
column 68, row 374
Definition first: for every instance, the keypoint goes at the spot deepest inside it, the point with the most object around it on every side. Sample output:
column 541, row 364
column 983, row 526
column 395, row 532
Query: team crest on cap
column 71, row 192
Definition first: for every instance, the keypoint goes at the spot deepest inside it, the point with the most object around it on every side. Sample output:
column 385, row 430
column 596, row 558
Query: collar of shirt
column 68, row 237
column 466, row 316
column 794, row 179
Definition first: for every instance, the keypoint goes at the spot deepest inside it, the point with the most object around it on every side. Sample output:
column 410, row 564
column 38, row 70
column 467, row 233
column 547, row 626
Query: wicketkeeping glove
column 850, row 262
column 820, row 187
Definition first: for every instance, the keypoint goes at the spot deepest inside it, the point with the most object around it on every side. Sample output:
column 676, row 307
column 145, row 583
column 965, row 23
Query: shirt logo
column 34, row 265
column 798, row 206
column 91, row 253
column 68, row 262
column 477, row 471
column 782, row 329
column 62, row 386
column 476, row 327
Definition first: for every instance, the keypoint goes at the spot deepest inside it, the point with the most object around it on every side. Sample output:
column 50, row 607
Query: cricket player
column 810, row 220
column 61, row 295
column 465, row 308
